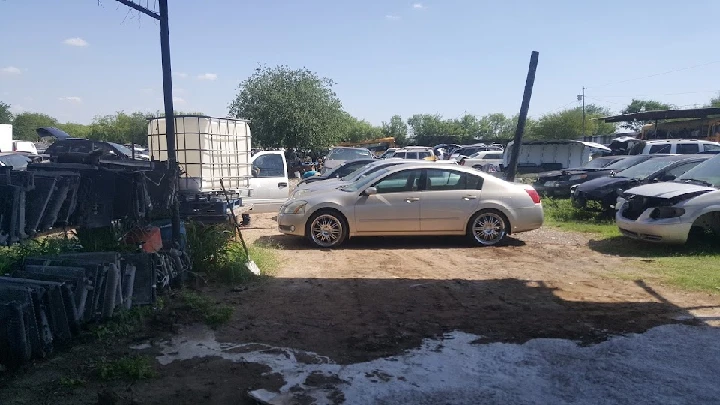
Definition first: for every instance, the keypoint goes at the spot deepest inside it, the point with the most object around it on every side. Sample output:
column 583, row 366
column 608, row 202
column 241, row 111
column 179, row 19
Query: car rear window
column 662, row 148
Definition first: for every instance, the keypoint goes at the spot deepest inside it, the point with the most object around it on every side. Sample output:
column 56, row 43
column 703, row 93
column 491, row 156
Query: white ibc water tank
column 208, row 150
column 6, row 140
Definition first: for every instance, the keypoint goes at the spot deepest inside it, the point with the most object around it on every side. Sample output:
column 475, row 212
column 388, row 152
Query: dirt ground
column 377, row 297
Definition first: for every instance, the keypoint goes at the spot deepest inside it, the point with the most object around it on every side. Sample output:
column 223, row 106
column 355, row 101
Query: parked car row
column 396, row 196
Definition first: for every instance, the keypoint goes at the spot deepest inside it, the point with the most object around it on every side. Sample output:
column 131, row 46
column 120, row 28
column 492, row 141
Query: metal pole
column 583, row 100
column 169, row 117
column 524, row 107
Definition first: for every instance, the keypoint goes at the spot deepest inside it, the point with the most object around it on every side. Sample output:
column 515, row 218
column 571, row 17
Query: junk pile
column 60, row 195
column 47, row 300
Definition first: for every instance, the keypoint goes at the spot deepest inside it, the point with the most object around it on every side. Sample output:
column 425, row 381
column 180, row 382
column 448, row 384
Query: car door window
column 400, row 155
column 406, row 180
column 494, row 156
column 268, row 166
column 709, row 147
column 81, row 147
column 424, row 155
column 664, row 148
column 687, row 148
column 443, row 180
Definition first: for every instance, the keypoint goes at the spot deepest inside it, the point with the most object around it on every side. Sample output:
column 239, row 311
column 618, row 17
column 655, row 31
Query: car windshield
column 642, row 171
column 627, row 162
column 365, row 170
column 125, row 151
column 348, row 154
column 597, row 163
column 364, row 181
column 706, row 173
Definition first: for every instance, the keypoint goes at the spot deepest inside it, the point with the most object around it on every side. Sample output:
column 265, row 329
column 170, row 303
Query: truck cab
column 269, row 185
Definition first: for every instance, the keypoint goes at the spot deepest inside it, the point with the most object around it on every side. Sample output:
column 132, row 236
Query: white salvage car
column 669, row 212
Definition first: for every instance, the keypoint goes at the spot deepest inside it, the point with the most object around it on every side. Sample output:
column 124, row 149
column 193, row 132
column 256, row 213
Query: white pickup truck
column 215, row 158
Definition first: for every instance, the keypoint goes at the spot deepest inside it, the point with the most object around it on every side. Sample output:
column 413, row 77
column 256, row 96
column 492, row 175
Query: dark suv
column 81, row 149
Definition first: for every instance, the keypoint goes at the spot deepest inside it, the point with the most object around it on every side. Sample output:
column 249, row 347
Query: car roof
column 350, row 147
column 661, row 141
column 675, row 158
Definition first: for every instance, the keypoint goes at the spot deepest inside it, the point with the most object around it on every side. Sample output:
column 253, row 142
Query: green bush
column 12, row 256
column 562, row 210
column 126, row 368
column 213, row 314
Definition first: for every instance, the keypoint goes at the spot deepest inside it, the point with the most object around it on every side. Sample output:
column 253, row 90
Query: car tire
column 326, row 229
column 488, row 228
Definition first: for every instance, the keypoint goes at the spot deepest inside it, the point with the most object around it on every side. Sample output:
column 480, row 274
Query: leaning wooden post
column 512, row 165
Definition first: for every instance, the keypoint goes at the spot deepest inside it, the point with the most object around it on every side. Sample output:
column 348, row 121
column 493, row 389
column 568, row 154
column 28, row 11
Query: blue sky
column 75, row 59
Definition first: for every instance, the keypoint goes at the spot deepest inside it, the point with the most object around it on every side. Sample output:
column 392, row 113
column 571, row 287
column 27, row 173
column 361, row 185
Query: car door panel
column 394, row 209
column 450, row 198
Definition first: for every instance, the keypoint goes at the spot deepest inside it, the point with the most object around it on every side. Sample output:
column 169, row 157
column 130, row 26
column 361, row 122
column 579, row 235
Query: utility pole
column 162, row 16
column 583, row 100
column 524, row 107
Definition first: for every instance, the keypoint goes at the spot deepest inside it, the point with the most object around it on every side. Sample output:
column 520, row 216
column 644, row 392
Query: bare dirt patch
column 378, row 297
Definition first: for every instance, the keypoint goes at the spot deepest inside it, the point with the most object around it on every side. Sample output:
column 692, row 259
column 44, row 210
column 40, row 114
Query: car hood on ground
column 669, row 189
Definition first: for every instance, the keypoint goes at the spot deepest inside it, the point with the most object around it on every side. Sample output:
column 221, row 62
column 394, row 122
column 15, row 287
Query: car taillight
column 534, row 195
column 462, row 162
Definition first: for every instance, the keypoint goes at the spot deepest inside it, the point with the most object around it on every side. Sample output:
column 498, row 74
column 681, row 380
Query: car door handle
column 282, row 184
column 412, row 199
column 469, row 197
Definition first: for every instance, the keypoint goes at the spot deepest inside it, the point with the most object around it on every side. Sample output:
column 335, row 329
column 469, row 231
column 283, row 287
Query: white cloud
column 77, row 41
column 179, row 90
column 17, row 108
column 180, row 75
column 178, row 100
column 392, row 17
column 71, row 99
column 207, row 76
column 419, row 6
column 11, row 70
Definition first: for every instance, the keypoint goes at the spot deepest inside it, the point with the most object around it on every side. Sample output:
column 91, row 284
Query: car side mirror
column 369, row 191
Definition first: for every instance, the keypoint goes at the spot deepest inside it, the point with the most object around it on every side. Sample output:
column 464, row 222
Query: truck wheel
column 327, row 229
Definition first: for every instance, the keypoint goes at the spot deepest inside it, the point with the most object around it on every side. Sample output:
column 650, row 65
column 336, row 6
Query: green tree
column 75, row 130
column 396, row 128
column 25, row 124
column 291, row 108
column 359, row 130
column 120, row 128
column 568, row 124
column 715, row 101
column 637, row 106
column 6, row 117
column 497, row 126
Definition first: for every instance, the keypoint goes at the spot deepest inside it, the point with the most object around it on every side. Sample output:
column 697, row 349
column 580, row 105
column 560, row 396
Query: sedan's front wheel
column 488, row 228
column 327, row 229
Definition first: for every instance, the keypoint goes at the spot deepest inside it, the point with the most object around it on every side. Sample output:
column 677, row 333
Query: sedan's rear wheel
column 488, row 228
column 327, row 229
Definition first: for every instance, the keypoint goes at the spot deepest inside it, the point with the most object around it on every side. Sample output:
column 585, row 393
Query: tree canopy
column 715, row 101
column 292, row 108
column 396, row 128
column 6, row 116
column 568, row 124
column 637, row 106
column 25, row 124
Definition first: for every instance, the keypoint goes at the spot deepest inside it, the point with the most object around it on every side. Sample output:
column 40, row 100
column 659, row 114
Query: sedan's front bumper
column 291, row 224
column 671, row 230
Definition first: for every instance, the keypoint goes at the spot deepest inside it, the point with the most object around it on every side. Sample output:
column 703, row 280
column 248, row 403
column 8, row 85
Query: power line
column 657, row 74
column 666, row 94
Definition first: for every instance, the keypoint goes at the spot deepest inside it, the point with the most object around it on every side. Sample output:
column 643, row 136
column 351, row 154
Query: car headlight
column 667, row 212
column 295, row 207
column 578, row 177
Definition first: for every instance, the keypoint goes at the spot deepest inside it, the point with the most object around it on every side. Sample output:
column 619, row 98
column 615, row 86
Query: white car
column 679, row 146
column 340, row 155
column 415, row 199
column 483, row 160
column 668, row 212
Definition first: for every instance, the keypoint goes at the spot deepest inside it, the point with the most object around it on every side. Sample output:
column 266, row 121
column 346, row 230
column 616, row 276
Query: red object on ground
column 149, row 239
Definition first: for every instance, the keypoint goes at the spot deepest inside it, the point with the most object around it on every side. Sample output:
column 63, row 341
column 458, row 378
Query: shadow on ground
column 626, row 247
column 354, row 320
column 386, row 242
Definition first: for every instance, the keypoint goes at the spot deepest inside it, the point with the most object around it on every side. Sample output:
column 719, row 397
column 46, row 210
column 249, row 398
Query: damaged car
column 671, row 212
column 558, row 182
column 605, row 191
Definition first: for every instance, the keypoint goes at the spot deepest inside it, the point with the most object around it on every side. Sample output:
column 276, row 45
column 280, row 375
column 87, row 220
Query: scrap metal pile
column 46, row 301
column 59, row 195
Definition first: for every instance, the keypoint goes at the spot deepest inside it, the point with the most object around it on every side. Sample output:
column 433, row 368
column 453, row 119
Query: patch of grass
column 123, row 323
column 560, row 213
column 12, row 256
column 213, row 314
column 216, row 254
column 126, row 368
column 69, row 382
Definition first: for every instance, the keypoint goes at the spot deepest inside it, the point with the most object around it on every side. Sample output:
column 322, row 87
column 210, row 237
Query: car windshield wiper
column 698, row 181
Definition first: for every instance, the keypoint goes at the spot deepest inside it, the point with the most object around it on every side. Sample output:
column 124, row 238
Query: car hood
column 604, row 182
column 669, row 190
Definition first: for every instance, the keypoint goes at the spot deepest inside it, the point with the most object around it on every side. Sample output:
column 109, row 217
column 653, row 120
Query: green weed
column 126, row 368
column 213, row 314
